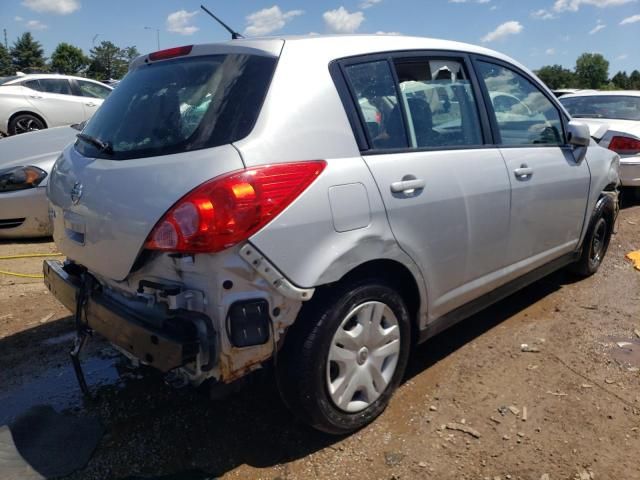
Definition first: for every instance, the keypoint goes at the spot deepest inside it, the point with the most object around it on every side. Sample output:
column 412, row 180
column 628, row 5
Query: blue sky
column 535, row 32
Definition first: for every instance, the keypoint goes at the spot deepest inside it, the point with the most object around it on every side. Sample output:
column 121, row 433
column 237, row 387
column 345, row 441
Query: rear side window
column 439, row 103
column 180, row 105
column 55, row 85
column 525, row 116
column 375, row 89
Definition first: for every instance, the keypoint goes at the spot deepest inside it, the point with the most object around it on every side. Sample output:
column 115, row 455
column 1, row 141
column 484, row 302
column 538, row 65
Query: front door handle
column 524, row 172
column 407, row 186
column 36, row 96
column 90, row 104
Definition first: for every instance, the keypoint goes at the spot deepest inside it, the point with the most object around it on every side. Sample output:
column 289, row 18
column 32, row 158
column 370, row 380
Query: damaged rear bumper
column 180, row 338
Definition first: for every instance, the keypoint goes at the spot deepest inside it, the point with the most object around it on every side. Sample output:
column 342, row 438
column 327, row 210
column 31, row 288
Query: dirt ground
column 577, row 380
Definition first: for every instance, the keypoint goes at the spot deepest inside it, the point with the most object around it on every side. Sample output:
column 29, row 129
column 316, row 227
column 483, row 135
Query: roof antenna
column 234, row 35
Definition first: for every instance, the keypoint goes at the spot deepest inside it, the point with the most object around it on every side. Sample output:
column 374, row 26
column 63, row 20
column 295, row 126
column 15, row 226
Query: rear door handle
column 36, row 96
column 90, row 104
column 524, row 172
column 407, row 185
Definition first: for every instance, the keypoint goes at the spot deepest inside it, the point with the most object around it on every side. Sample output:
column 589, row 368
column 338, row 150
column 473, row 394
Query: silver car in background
column 25, row 163
column 614, row 120
column 39, row 101
column 319, row 205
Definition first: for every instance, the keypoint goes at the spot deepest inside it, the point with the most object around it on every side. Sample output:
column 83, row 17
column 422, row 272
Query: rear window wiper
column 96, row 142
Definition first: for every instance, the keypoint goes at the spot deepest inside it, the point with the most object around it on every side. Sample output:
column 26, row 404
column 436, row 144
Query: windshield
column 4, row 80
column 610, row 106
column 180, row 105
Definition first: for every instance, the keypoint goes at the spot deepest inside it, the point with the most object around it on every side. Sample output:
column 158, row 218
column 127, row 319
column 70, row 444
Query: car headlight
column 20, row 178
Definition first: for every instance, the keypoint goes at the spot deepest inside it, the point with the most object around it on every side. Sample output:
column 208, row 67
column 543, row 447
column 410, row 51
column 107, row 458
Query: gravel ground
column 459, row 414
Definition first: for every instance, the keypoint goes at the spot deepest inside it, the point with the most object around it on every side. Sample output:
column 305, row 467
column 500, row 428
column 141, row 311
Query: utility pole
column 93, row 41
column 157, row 34
column 6, row 44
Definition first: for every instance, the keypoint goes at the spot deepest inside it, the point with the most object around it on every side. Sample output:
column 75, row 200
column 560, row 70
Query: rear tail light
column 229, row 209
column 171, row 53
column 625, row 145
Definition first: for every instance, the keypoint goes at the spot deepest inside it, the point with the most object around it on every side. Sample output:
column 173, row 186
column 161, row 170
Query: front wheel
column 596, row 241
column 345, row 356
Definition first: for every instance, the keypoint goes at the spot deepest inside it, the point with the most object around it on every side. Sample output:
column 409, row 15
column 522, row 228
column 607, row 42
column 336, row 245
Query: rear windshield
column 180, row 105
column 604, row 106
column 4, row 80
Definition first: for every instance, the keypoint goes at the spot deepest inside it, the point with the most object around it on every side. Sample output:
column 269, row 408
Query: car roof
column 37, row 76
column 341, row 46
column 608, row 93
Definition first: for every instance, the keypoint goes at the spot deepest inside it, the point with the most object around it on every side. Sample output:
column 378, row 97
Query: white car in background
column 614, row 121
column 25, row 164
column 36, row 102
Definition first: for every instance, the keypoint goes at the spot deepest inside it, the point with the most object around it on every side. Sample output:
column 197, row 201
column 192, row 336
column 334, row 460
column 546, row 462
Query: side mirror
column 579, row 136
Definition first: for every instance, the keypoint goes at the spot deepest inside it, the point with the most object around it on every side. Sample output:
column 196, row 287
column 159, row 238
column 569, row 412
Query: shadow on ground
column 154, row 430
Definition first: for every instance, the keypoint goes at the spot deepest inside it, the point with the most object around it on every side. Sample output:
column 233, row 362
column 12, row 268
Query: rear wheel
column 25, row 122
column 345, row 356
column 597, row 239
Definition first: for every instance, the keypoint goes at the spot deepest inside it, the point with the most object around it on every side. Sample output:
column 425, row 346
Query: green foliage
column 110, row 61
column 6, row 67
column 555, row 76
column 592, row 70
column 634, row 80
column 68, row 59
column 27, row 54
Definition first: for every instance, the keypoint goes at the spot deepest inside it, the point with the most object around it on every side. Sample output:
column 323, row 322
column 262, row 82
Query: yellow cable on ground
column 28, row 255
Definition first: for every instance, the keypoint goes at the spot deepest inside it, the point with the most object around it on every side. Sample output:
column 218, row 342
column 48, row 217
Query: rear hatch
column 167, row 128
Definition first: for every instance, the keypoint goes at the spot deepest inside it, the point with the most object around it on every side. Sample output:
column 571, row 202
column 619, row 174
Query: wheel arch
column 397, row 275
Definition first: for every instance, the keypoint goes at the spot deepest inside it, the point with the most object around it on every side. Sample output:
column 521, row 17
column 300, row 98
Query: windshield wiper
column 96, row 142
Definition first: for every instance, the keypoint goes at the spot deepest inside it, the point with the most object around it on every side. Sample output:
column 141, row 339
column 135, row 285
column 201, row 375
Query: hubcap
column 363, row 356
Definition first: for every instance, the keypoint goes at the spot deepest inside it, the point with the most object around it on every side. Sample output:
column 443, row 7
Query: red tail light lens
column 229, row 209
column 170, row 53
column 625, row 145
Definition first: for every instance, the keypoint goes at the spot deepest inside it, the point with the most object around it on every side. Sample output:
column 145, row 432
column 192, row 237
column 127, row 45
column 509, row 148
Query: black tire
column 302, row 365
column 25, row 122
column 596, row 241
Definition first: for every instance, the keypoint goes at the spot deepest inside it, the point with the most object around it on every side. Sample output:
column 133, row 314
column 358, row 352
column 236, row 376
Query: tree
column 592, row 70
column 634, row 80
column 555, row 76
column 68, row 59
column 621, row 80
column 27, row 54
column 110, row 61
column 6, row 67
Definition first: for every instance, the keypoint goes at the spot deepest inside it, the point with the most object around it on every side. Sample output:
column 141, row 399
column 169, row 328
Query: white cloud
column 550, row 51
column 574, row 5
column 624, row 56
column 470, row 1
column 597, row 28
column 506, row 29
column 180, row 22
column 36, row 25
column 269, row 20
column 61, row 7
column 631, row 19
column 369, row 3
column 18, row 19
column 341, row 21
column 542, row 14
column 380, row 32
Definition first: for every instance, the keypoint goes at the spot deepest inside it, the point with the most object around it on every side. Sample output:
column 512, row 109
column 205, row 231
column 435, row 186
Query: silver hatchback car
column 319, row 205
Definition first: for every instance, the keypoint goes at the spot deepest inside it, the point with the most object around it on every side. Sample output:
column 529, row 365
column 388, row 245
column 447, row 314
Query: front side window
column 525, row 116
column 375, row 89
column 439, row 103
column 55, row 85
column 93, row 90
column 618, row 107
